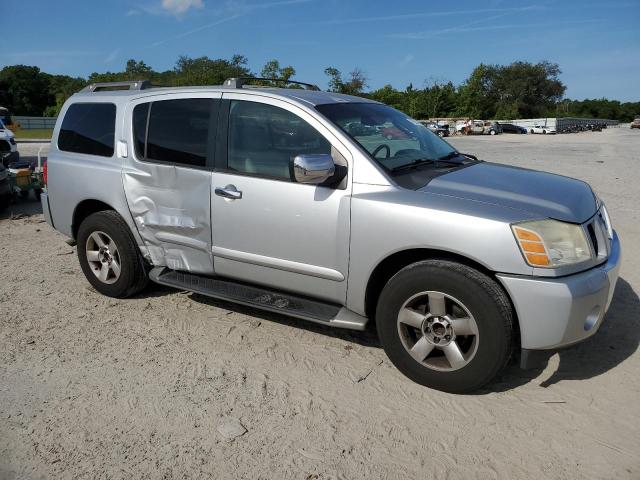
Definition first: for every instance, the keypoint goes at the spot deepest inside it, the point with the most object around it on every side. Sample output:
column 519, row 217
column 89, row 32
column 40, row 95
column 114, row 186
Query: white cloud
column 112, row 55
column 178, row 7
column 408, row 58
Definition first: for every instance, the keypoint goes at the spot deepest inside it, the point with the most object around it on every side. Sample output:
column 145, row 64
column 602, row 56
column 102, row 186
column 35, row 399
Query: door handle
column 230, row 192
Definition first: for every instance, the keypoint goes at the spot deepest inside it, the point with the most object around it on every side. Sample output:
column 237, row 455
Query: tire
column 485, row 352
column 492, row 132
column 24, row 194
column 531, row 131
column 544, row 132
column 37, row 192
column 441, row 134
column 109, row 227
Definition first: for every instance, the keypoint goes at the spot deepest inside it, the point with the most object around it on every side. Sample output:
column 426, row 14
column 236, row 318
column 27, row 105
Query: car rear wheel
column 445, row 325
column 492, row 132
column 109, row 256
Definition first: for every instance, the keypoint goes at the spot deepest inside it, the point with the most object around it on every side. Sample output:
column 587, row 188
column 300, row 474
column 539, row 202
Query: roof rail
column 131, row 85
column 239, row 82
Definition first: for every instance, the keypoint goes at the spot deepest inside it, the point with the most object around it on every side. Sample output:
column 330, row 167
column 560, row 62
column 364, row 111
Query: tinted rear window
column 89, row 128
column 178, row 131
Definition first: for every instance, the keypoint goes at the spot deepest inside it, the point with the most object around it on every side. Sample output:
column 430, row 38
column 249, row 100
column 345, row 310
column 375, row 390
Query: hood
column 539, row 193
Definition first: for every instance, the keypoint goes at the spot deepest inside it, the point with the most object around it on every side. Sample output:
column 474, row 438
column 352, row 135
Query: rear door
column 167, row 177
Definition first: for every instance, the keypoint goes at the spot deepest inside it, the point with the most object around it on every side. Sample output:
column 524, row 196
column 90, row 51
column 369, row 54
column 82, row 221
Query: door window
column 263, row 139
column 176, row 131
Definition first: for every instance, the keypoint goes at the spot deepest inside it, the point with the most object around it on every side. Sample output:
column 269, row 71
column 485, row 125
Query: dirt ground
column 92, row 387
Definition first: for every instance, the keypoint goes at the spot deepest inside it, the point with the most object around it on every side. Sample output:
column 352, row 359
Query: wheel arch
column 83, row 210
column 395, row 262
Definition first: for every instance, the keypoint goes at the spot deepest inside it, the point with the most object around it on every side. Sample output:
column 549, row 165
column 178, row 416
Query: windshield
column 392, row 139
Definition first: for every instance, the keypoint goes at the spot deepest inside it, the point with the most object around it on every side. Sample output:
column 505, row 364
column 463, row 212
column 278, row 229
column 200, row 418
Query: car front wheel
column 445, row 325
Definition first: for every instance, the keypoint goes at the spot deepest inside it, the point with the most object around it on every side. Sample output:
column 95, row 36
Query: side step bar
column 262, row 298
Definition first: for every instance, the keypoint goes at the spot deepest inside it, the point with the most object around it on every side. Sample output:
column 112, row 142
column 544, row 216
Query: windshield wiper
column 413, row 164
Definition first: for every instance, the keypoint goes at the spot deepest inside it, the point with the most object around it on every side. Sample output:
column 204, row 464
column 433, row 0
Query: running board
column 265, row 299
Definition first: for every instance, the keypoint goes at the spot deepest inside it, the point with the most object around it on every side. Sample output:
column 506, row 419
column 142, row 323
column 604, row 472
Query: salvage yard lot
column 92, row 387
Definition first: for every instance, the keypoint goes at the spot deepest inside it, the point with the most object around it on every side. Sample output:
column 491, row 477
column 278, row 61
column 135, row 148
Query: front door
column 268, row 229
column 167, row 177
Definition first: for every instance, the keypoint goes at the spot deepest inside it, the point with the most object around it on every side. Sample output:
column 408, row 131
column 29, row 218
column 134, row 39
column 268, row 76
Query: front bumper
column 557, row 312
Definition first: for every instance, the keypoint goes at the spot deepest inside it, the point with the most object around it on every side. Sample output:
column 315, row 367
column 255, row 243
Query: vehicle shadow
column 367, row 338
column 616, row 340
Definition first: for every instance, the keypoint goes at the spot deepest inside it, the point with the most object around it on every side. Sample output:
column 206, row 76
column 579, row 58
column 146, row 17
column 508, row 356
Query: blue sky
column 596, row 43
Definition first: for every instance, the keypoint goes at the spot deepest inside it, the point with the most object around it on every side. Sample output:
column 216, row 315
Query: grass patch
column 35, row 133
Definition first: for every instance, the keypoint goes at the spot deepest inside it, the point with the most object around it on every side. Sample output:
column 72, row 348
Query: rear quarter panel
column 74, row 177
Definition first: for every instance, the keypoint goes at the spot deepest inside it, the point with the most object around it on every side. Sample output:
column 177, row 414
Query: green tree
column 205, row 71
column 272, row 69
column 25, row 90
column 355, row 85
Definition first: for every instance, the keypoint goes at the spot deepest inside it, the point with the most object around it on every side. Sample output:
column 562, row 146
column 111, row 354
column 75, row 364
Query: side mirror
column 313, row 168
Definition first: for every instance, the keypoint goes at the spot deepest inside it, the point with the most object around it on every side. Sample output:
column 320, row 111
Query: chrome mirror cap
column 313, row 168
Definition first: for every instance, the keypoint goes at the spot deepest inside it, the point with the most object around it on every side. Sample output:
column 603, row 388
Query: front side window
column 176, row 131
column 88, row 128
column 263, row 139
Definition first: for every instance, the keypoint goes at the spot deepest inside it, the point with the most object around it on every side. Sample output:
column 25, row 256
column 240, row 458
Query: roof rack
column 131, row 85
column 239, row 82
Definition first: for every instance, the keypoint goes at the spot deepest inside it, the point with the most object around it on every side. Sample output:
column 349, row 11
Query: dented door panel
column 171, row 203
column 170, row 206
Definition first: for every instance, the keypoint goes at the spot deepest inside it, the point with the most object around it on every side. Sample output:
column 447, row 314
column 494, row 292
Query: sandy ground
column 92, row 387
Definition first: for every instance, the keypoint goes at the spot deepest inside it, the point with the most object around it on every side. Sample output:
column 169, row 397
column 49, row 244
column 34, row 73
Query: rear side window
column 88, row 128
column 176, row 131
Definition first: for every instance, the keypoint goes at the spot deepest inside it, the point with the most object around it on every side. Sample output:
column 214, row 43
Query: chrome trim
column 278, row 263
column 313, row 168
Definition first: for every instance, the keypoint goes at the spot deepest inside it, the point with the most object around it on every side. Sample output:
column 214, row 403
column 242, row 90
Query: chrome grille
column 597, row 233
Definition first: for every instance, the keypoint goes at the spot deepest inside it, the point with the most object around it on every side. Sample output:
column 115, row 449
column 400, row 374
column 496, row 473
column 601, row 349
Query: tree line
column 517, row 90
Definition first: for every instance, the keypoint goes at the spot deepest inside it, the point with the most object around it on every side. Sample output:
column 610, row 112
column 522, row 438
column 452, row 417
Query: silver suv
column 333, row 209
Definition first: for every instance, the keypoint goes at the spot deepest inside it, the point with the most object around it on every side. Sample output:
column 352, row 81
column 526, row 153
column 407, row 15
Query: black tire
column 37, row 192
column 133, row 275
column 485, row 300
column 544, row 132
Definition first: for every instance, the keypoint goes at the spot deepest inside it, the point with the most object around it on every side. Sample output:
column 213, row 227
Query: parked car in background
column 511, row 128
column 636, row 123
column 544, row 129
column 263, row 197
column 479, row 127
column 8, row 147
column 492, row 128
column 440, row 130
column 393, row 133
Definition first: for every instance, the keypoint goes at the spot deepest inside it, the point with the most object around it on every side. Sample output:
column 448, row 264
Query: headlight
column 552, row 244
